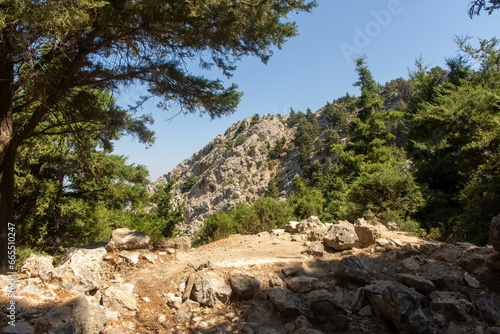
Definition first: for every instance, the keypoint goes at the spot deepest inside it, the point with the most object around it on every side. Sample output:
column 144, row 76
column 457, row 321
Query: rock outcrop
column 231, row 169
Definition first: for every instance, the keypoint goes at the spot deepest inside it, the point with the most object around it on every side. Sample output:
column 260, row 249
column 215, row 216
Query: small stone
column 382, row 242
column 244, row 286
column 366, row 311
column 301, row 284
column 132, row 257
column 410, row 264
column 471, row 281
column 290, row 271
column 420, row 284
column 150, row 257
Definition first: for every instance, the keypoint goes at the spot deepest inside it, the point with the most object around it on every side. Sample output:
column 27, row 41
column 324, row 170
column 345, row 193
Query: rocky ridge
column 308, row 278
column 231, row 169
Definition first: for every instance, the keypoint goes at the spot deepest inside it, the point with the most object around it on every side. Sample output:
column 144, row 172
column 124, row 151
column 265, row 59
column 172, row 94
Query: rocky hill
column 234, row 167
column 309, row 278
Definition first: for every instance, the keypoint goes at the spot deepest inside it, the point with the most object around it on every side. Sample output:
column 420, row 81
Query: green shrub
column 384, row 191
column 218, row 226
column 239, row 140
column 306, row 201
column 263, row 215
column 187, row 185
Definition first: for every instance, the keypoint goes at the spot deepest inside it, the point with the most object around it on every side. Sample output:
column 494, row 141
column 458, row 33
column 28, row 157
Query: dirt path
column 262, row 256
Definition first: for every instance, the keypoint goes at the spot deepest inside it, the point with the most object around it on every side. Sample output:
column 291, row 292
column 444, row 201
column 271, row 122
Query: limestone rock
column 120, row 299
column 301, row 284
column 89, row 318
column 126, row 239
column 210, row 289
column 240, row 156
column 81, row 270
column 244, row 286
column 450, row 305
column 495, row 233
column 315, row 248
column 132, row 257
column 400, row 305
column 331, row 313
column 471, row 281
column 292, row 227
column 38, row 266
column 367, row 233
column 487, row 306
column 341, row 236
column 420, row 284
column 286, row 303
column 352, row 270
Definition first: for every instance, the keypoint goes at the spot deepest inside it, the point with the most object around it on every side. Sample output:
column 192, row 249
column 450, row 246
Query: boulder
column 38, row 266
column 450, row 305
column 305, row 226
column 89, row 317
column 400, row 306
column 341, row 236
column 81, row 270
column 292, row 227
column 486, row 306
column 330, row 314
column 301, row 284
column 210, row 289
column 244, row 286
column 352, row 270
column 126, row 239
column 312, row 223
column 287, row 303
column 120, row 299
column 315, row 248
column 367, row 233
column 180, row 244
column 131, row 257
column 420, row 284
column 495, row 233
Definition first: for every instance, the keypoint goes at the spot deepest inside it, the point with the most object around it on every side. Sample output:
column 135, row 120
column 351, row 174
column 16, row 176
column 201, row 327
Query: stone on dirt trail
column 341, row 236
column 126, row 239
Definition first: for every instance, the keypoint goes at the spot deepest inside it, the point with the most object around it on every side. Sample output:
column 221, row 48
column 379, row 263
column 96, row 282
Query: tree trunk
column 8, row 146
column 7, row 224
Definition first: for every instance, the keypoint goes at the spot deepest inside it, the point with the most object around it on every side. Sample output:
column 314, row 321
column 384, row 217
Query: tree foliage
column 476, row 6
column 55, row 56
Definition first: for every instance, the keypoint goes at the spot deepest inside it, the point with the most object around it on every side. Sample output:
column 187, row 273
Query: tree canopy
column 476, row 6
column 57, row 57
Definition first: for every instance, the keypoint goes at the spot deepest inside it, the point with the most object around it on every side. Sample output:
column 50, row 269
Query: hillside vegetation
column 421, row 152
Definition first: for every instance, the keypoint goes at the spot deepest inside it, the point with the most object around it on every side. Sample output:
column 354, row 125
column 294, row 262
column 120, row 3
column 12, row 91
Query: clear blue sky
column 315, row 67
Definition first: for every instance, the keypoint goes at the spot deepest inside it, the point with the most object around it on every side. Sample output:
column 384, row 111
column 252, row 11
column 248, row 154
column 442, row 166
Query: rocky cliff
column 234, row 167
